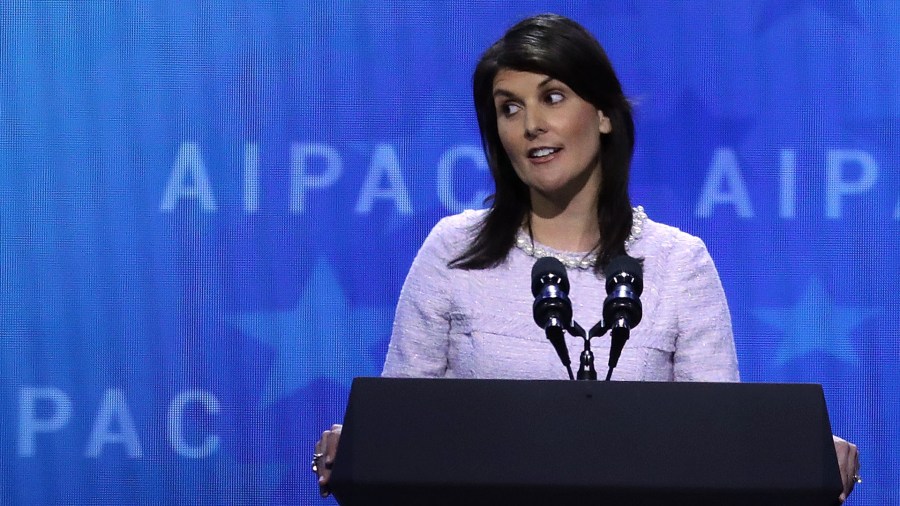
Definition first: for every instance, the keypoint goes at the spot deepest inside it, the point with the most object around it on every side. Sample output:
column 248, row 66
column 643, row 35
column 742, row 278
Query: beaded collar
column 578, row 260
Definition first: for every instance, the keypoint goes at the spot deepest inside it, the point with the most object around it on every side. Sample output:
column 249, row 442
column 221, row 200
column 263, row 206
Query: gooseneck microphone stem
column 556, row 336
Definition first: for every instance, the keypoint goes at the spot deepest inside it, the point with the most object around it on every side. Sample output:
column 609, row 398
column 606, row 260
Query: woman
column 558, row 134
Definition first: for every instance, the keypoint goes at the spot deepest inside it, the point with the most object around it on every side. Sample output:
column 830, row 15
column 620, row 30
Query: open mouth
column 542, row 152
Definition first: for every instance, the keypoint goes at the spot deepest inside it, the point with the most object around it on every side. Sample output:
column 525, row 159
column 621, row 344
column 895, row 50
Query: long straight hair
column 560, row 48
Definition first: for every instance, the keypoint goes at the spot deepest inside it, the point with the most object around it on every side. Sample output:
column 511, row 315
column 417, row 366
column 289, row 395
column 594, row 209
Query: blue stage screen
column 207, row 210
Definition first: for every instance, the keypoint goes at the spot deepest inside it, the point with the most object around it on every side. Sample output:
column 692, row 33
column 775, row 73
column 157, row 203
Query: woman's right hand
column 323, row 458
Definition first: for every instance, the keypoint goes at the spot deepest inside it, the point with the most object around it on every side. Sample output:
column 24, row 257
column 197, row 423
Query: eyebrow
column 506, row 93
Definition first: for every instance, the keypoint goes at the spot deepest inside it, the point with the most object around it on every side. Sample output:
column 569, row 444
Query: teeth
column 543, row 152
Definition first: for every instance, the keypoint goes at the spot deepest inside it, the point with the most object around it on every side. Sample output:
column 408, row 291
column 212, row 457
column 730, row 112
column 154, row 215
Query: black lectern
column 506, row 442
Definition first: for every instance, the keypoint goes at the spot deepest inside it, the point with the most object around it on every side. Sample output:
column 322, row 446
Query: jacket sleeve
column 420, row 337
column 704, row 348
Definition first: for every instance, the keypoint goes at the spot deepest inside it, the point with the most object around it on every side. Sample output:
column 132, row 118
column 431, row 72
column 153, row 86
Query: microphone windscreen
column 624, row 264
column 543, row 267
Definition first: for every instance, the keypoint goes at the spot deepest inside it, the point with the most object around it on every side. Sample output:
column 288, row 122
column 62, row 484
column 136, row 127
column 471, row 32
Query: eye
column 554, row 97
column 509, row 108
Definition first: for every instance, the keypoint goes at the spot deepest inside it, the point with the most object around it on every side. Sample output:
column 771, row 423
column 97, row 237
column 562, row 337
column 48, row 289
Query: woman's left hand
column 848, row 461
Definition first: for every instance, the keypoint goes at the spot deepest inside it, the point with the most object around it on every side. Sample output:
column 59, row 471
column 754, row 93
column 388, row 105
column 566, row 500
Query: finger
column 853, row 457
column 321, row 449
column 333, row 440
column 840, row 450
column 328, row 448
column 849, row 464
column 322, row 445
column 324, row 470
column 847, row 475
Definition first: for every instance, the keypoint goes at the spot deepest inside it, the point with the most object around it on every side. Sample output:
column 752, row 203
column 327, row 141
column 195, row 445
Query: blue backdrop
column 207, row 210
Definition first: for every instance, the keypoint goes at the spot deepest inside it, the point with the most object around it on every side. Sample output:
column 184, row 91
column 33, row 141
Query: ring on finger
column 315, row 462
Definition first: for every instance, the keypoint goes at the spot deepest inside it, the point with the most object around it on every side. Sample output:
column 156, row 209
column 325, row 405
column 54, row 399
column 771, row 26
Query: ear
column 605, row 123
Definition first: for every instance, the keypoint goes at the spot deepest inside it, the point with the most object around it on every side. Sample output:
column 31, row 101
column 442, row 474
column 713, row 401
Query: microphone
column 552, row 307
column 622, row 307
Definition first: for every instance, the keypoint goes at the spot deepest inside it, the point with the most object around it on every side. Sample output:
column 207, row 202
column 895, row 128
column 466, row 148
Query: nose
column 534, row 124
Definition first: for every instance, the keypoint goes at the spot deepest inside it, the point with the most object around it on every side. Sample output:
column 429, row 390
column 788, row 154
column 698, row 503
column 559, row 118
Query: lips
column 542, row 152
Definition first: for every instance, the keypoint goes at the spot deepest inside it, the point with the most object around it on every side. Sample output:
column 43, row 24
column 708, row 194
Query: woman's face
column 551, row 135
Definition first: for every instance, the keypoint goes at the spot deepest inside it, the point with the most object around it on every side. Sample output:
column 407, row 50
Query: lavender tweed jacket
column 478, row 323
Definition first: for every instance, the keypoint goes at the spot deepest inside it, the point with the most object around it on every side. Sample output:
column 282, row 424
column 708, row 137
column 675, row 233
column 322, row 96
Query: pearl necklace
column 576, row 260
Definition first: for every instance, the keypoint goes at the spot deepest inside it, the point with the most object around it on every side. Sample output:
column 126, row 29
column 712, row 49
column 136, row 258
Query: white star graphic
column 816, row 324
column 322, row 337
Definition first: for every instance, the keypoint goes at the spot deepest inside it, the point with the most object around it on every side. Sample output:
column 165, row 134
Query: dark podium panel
column 506, row 442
